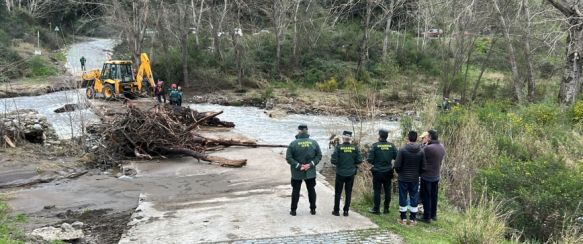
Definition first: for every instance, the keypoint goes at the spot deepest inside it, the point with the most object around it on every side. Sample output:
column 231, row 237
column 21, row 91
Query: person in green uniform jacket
column 346, row 157
column 174, row 95
column 303, row 154
column 380, row 156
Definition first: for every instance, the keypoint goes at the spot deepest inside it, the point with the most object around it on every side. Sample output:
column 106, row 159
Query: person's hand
column 307, row 166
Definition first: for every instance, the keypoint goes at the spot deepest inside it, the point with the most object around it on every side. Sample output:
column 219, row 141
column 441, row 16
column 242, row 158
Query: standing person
column 159, row 92
column 83, row 60
column 346, row 157
column 303, row 154
column 174, row 95
column 410, row 160
column 434, row 154
column 179, row 96
column 380, row 156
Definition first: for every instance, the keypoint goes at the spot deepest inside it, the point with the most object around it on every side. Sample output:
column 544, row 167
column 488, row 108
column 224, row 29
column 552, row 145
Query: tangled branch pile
column 144, row 134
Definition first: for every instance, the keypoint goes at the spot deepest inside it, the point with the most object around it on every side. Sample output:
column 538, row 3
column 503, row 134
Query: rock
column 37, row 127
column 77, row 225
column 65, row 233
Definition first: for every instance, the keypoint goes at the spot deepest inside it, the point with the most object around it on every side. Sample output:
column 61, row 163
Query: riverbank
column 280, row 101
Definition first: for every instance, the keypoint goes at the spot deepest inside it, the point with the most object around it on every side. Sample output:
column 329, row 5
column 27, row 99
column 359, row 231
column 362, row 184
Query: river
column 250, row 121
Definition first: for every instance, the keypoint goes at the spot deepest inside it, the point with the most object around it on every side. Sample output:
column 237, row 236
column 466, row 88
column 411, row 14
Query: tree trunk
column 571, row 81
column 477, row 84
column 388, row 31
column 516, row 83
column 184, row 47
column 364, row 44
column 296, row 38
column 530, row 80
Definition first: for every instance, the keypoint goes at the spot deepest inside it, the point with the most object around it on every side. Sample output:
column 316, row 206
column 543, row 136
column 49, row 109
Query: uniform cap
column 302, row 127
column 347, row 133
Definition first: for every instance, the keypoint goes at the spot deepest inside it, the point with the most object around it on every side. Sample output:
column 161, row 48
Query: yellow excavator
column 117, row 78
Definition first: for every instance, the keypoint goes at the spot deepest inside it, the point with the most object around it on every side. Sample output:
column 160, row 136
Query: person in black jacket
column 434, row 154
column 409, row 163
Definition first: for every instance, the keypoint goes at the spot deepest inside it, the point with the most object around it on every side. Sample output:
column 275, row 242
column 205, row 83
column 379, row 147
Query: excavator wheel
column 108, row 92
column 90, row 92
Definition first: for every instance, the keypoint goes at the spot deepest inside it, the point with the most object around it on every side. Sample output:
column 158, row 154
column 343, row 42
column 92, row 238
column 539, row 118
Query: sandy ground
column 183, row 200
column 246, row 203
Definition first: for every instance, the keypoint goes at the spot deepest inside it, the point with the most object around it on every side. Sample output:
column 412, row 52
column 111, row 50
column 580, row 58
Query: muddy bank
column 39, row 86
column 310, row 102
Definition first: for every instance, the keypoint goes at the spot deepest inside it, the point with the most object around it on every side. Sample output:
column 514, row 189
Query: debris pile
column 24, row 124
column 169, row 131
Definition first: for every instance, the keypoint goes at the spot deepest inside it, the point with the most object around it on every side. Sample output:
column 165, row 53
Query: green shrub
column 406, row 124
column 541, row 192
column 41, row 67
column 543, row 114
column 328, row 86
column 576, row 112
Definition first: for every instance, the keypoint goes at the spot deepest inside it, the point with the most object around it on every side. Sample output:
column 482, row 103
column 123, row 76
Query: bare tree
column 177, row 20
column 131, row 17
column 389, row 13
column 279, row 14
column 571, row 80
column 517, row 84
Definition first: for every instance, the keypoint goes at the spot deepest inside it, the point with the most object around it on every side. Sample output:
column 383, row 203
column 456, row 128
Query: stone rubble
column 27, row 124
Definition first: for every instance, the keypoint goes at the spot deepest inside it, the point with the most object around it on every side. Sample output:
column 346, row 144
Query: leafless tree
column 177, row 21
column 131, row 17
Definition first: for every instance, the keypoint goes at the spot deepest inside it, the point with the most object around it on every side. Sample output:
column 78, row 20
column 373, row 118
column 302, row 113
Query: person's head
column 160, row 83
column 346, row 136
column 433, row 135
column 445, row 98
column 173, row 86
column 383, row 134
column 412, row 136
column 424, row 137
column 303, row 129
column 179, row 88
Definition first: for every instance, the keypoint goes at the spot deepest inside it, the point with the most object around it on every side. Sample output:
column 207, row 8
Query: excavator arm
column 91, row 75
column 144, row 69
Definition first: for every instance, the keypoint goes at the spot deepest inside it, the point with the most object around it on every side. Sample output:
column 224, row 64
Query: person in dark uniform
column 83, row 60
column 303, row 154
column 380, row 156
column 346, row 157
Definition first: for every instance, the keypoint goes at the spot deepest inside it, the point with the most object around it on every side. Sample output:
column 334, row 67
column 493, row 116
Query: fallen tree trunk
column 202, row 156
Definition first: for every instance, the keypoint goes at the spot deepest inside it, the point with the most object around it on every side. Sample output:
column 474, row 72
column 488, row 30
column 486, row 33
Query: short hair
column 433, row 135
column 412, row 136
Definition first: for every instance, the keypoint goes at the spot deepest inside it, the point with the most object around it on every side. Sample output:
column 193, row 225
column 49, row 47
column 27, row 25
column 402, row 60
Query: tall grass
column 483, row 222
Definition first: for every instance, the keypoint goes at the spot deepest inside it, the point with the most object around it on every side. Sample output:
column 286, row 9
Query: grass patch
column 9, row 234
column 440, row 231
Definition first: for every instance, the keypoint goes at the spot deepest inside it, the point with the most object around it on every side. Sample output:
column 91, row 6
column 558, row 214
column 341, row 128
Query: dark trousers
column 83, row 67
column 429, row 191
column 297, row 186
column 408, row 189
column 347, row 182
column 381, row 180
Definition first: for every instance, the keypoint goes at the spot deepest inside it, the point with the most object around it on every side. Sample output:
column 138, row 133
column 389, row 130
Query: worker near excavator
column 174, row 95
column 159, row 92
column 303, row 154
column 179, row 96
column 83, row 60
column 346, row 157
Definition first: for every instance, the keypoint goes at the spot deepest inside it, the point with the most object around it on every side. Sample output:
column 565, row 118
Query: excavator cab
column 117, row 77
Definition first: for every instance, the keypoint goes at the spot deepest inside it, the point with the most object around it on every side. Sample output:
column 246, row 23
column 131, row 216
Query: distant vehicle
column 434, row 32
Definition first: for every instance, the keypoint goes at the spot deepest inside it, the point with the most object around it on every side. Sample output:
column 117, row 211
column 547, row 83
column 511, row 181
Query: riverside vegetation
column 513, row 170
